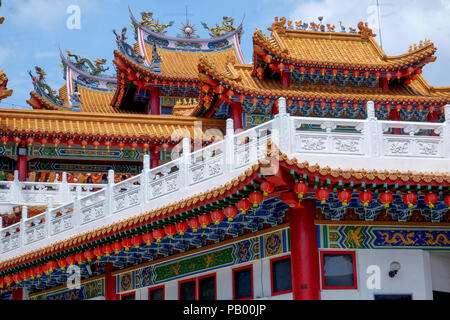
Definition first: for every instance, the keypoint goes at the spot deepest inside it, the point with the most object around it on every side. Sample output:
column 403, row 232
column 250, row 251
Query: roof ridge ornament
column 149, row 22
column 85, row 64
column 125, row 47
column 218, row 31
column 42, row 88
column 278, row 25
column 364, row 31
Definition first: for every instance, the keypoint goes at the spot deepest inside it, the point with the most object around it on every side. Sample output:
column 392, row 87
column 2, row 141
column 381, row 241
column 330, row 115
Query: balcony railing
column 211, row 167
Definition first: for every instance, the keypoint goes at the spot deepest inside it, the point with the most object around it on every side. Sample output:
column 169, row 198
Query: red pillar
column 22, row 167
column 304, row 252
column 110, row 283
column 154, row 101
column 17, row 294
column 394, row 115
column 285, row 79
column 384, row 85
column 433, row 117
column 154, row 159
column 236, row 115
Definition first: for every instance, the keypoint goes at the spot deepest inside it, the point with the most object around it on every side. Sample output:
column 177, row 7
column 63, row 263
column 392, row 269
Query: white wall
column 417, row 276
column 440, row 271
column 413, row 278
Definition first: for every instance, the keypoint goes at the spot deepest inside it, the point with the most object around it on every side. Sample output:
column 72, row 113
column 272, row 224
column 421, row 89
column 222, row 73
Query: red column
column 433, row 117
column 22, row 167
column 236, row 115
column 304, row 252
column 154, row 101
column 394, row 115
column 384, row 85
column 17, row 294
column 154, row 159
column 110, row 283
column 285, row 79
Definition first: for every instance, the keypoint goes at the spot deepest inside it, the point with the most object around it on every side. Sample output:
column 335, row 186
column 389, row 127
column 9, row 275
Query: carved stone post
column 284, row 136
column 109, row 194
column 229, row 146
column 22, row 226
column 372, row 133
column 446, row 133
column 186, row 160
column 48, row 215
column 144, row 178
column 64, row 192
column 16, row 189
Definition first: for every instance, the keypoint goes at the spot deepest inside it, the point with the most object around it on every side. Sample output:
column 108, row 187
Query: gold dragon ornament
column 365, row 31
column 278, row 25
column 218, row 31
column 149, row 22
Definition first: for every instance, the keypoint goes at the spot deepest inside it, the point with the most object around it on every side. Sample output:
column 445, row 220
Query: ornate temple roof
column 337, row 49
column 98, row 124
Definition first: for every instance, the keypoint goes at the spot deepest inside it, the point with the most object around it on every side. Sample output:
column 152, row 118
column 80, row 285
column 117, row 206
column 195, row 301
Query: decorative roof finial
column 155, row 26
column 278, row 26
column 218, row 31
column 86, row 65
column 365, row 31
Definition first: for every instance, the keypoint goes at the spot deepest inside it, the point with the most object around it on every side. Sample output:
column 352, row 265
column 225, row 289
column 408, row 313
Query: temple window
column 243, row 283
column 338, row 270
column 156, row 293
column 129, row 296
column 281, row 275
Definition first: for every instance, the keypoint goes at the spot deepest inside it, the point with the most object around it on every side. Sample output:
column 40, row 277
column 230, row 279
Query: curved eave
column 199, row 40
column 38, row 102
column 230, row 188
column 145, row 70
column 425, row 52
column 87, row 75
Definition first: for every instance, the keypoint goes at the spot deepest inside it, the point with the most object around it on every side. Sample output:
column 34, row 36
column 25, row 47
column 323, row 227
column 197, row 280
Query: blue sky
column 34, row 29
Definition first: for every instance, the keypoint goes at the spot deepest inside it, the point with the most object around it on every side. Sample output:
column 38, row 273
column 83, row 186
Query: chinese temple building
column 319, row 171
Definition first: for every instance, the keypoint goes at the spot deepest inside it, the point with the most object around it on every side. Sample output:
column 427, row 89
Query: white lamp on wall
column 394, row 268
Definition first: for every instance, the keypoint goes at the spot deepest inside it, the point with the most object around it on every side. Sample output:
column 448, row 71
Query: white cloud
column 4, row 55
column 45, row 54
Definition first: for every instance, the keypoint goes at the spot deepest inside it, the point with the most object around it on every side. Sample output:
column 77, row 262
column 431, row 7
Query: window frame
column 156, row 288
column 250, row 266
column 133, row 293
column 196, row 281
column 322, row 271
column 185, row 281
column 210, row 275
column 271, row 274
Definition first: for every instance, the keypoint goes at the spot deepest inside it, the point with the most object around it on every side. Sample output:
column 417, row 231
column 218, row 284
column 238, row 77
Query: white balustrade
column 348, row 142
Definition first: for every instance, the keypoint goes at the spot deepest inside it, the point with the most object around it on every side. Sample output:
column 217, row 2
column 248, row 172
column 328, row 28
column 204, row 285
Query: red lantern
column 377, row 75
column 255, row 198
column 300, row 103
column 410, row 199
column 107, row 249
column 323, row 71
column 70, row 260
column 230, row 212
column 70, row 143
column 56, row 142
column 410, row 70
column 79, row 257
column 386, row 199
column 366, row 74
column 291, row 68
column 255, row 101
column 4, row 140
column 205, row 88
column 30, row 274
column 388, row 76
column 98, row 253
column 204, row 220
column 89, row 255
column 158, row 234
column 84, row 143
column 431, row 199
column 300, row 189
column 312, row 71
column 267, row 187
column 334, row 72
column 62, row 263
column 346, row 73
column 365, row 198
column 2, row 283
column 447, row 201
column 418, row 71
column 148, row 238
column 17, row 140
column 356, row 74
column 243, row 205
column 289, row 102
column 322, row 104
column 16, row 278
column 266, row 101
column 333, row 105
column 181, row 227
column 322, row 195
column 194, row 224
column 230, row 94
column 8, row 280
column 268, row 59
column 345, row 105
column 260, row 72
column 38, row 271
column 52, row 265
column 136, row 241
column 302, row 70
column 30, row 141
column 344, row 196
column 170, row 230
column 398, row 74
column 312, row 103
column 134, row 145
column 119, row 245
column 217, row 217
column 96, row 144
column 121, row 145
column 43, row 142
column 24, row 275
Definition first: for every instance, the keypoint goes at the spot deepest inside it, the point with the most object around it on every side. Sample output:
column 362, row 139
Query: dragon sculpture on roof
column 42, row 88
column 218, row 31
column 149, row 22
column 86, row 65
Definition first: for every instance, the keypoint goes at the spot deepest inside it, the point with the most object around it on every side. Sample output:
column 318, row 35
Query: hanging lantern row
column 145, row 79
column 409, row 73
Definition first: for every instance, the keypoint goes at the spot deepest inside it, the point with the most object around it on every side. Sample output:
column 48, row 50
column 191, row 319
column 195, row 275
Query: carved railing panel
column 127, row 194
column 35, row 228
column 164, row 179
column 10, row 238
column 206, row 163
column 93, row 207
column 61, row 219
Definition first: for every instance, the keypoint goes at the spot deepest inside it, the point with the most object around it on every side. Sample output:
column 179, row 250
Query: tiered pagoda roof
column 320, row 72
